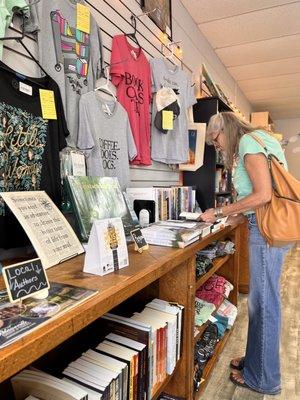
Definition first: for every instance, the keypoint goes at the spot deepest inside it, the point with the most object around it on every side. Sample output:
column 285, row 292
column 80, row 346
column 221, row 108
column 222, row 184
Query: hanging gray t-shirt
column 71, row 57
column 105, row 137
column 173, row 147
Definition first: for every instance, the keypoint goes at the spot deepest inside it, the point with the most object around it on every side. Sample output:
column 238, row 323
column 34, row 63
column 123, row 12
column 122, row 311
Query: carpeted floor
column 221, row 388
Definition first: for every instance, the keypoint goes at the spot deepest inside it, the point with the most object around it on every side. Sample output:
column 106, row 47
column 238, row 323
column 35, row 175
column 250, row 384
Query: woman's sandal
column 238, row 366
column 236, row 380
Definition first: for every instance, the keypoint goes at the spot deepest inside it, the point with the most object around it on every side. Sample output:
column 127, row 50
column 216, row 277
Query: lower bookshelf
column 165, row 273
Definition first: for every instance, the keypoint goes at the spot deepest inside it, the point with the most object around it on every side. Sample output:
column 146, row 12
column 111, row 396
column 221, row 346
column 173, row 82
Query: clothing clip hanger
column 133, row 19
column 132, row 35
column 170, row 47
column 19, row 39
column 105, row 88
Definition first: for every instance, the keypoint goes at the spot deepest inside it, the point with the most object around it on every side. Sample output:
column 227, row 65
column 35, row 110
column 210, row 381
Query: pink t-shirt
column 130, row 73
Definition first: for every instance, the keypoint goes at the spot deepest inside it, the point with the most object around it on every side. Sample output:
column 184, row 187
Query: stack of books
column 169, row 201
column 175, row 233
column 39, row 385
column 128, row 364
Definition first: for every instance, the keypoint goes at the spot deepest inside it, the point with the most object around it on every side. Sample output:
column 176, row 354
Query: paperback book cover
column 95, row 198
column 17, row 320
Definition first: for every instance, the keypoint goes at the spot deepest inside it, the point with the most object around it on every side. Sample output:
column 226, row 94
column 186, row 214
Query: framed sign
column 162, row 16
column 196, row 131
column 25, row 279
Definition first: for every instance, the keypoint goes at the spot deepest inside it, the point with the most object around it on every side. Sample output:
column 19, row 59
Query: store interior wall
column 113, row 17
column 290, row 128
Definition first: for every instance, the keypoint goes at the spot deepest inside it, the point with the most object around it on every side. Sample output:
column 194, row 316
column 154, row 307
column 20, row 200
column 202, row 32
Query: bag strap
column 259, row 141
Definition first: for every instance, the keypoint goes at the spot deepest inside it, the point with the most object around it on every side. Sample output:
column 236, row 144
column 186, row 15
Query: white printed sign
column 49, row 232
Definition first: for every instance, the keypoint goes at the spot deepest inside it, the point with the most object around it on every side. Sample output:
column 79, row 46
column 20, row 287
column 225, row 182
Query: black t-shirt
column 29, row 145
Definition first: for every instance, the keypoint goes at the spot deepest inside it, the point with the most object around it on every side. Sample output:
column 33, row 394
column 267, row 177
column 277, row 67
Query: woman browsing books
column 259, row 369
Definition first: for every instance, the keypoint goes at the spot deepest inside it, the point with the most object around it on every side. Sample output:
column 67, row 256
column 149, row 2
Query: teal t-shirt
column 248, row 145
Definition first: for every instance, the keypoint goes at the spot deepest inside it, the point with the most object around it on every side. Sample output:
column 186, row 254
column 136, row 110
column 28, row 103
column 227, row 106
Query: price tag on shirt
column 83, row 18
column 48, row 104
column 167, row 120
column 27, row 89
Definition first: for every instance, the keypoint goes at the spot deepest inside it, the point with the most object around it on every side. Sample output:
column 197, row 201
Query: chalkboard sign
column 139, row 240
column 25, row 279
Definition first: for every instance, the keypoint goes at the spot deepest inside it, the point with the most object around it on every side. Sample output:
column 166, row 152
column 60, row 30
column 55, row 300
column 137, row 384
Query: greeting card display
column 107, row 249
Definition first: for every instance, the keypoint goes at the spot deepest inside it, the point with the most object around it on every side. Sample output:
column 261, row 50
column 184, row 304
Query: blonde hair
column 233, row 128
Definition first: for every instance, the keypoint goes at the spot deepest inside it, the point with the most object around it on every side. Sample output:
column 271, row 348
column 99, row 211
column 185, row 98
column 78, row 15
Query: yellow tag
column 83, row 18
column 48, row 104
column 167, row 120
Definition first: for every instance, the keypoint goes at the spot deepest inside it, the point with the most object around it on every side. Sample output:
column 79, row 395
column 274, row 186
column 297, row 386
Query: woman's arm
column 259, row 174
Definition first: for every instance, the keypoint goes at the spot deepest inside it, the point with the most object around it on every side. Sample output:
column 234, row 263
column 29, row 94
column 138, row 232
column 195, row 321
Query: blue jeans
column 262, row 365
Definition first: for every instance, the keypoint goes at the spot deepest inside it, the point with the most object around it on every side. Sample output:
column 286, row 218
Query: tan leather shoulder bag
column 279, row 220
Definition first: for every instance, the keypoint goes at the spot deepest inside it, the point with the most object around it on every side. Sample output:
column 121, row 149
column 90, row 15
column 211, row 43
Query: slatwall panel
column 113, row 17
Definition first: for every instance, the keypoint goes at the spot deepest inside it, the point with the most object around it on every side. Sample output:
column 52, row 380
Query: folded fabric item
column 203, row 311
column 227, row 289
column 228, row 310
column 221, row 323
column 205, row 347
column 210, row 297
column 213, row 290
column 224, row 248
column 197, row 378
column 203, row 265
column 218, row 249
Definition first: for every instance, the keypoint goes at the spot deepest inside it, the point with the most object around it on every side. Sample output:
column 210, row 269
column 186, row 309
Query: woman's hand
column 236, row 219
column 209, row 216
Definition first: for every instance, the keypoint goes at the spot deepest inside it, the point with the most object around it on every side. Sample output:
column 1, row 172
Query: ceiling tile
column 258, row 41
column 208, row 10
column 271, row 82
column 259, row 25
column 257, row 52
column 265, row 69
column 273, row 93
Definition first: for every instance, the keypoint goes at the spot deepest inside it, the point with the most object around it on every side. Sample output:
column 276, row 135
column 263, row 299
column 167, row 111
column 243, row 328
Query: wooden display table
column 170, row 273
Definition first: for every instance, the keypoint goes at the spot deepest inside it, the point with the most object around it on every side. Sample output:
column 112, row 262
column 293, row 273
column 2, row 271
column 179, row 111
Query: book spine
column 144, row 374
column 131, row 380
column 125, row 384
column 159, row 204
column 179, row 201
column 135, row 380
column 190, row 199
column 165, row 356
column 140, row 376
column 155, row 353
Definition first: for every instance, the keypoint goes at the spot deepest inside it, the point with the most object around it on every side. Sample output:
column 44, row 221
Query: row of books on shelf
column 128, row 364
column 169, row 202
